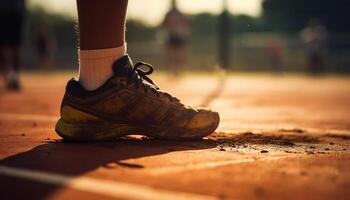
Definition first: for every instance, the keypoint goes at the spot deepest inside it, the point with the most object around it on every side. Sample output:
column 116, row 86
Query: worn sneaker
column 129, row 103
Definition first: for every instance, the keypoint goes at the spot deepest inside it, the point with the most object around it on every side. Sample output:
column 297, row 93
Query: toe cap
column 204, row 119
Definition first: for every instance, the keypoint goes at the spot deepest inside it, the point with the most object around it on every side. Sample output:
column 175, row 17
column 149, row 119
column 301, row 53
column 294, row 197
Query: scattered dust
column 303, row 173
column 338, row 136
column 287, row 151
column 259, row 192
column 275, row 141
column 265, row 138
column 293, row 130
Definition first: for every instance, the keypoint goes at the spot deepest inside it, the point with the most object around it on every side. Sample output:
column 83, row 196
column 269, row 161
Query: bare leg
column 102, row 57
column 16, row 58
column 102, row 39
column 101, row 23
column 2, row 60
column 10, row 65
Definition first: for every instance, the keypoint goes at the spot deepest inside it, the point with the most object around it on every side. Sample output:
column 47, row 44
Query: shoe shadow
column 76, row 159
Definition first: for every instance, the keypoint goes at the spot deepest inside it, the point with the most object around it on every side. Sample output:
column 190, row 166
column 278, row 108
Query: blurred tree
column 59, row 35
column 203, row 24
column 138, row 31
column 293, row 15
column 246, row 23
column 206, row 24
column 58, row 25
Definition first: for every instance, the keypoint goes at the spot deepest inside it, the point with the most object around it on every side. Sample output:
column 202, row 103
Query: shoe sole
column 92, row 132
column 105, row 131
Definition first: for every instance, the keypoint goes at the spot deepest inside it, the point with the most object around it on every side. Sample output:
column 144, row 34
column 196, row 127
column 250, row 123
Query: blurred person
column 177, row 30
column 224, row 39
column 314, row 37
column 275, row 50
column 114, row 97
column 11, row 22
column 44, row 44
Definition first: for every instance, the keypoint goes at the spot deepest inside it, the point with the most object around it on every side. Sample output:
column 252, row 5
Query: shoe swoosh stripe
column 165, row 119
column 129, row 109
column 154, row 116
column 99, row 114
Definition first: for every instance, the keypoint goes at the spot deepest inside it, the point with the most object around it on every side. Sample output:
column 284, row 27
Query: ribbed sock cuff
column 102, row 53
column 95, row 66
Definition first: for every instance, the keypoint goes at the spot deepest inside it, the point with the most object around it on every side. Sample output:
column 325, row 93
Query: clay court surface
column 280, row 137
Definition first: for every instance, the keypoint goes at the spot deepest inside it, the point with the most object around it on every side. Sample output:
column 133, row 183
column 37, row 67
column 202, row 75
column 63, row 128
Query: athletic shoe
column 129, row 103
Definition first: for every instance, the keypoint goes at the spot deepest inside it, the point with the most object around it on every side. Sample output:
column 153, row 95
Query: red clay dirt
column 279, row 138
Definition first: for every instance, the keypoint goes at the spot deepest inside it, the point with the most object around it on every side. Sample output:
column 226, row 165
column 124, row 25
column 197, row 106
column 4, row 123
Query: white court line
column 102, row 187
column 125, row 190
column 208, row 165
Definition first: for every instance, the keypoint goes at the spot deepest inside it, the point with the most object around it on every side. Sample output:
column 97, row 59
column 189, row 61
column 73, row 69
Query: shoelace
column 137, row 76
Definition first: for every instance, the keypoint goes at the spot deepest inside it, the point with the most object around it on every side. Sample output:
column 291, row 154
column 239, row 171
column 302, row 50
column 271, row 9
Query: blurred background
column 240, row 35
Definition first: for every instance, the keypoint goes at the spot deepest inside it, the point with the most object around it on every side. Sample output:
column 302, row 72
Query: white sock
column 95, row 66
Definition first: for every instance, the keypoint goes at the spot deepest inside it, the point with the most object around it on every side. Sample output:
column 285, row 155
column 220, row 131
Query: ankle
column 95, row 66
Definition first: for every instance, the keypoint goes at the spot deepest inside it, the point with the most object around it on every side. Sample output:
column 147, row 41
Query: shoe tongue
column 122, row 66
